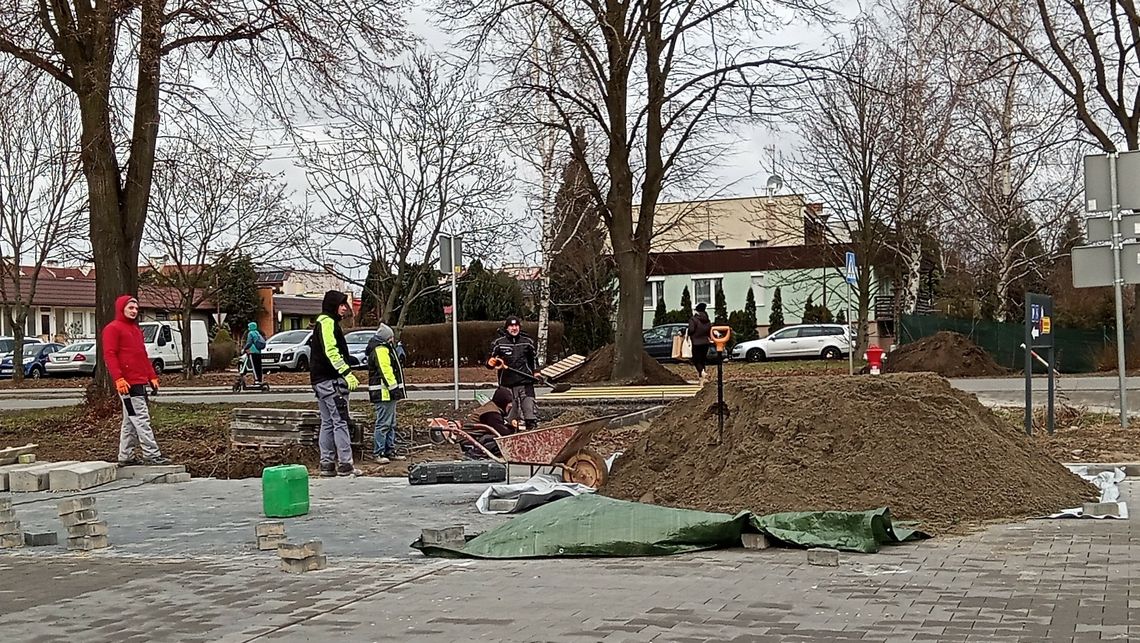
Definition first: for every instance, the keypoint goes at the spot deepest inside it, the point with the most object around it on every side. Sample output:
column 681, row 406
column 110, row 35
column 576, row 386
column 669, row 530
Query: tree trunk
column 913, row 280
column 543, row 313
column 18, row 325
column 628, row 350
column 187, row 341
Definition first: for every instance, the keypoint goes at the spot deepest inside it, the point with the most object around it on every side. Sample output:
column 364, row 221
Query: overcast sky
column 744, row 171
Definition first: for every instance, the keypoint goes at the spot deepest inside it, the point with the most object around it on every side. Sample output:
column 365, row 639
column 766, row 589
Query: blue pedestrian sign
column 852, row 273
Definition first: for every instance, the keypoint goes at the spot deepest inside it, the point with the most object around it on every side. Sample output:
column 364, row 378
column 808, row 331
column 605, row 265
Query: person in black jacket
column 493, row 414
column 385, row 388
column 332, row 381
column 518, row 352
column 699, row 328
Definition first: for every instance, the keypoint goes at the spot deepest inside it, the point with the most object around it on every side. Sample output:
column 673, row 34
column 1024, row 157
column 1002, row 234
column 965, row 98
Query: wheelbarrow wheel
column 586, row 467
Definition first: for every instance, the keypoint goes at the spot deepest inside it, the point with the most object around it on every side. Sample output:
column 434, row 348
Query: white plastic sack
column 1108, row 482
column 539, row 490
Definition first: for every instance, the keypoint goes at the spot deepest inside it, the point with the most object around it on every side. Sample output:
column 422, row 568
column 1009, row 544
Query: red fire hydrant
column 874, row 357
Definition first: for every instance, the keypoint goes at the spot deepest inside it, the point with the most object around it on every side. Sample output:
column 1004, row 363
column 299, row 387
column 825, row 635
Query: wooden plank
column 563, row 367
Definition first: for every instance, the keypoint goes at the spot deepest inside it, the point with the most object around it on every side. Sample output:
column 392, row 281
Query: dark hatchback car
column 658, row 341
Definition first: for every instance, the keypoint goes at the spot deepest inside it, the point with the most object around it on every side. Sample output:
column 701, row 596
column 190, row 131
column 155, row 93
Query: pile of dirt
column 946, row 353
column 599, row 365
column 909, row 442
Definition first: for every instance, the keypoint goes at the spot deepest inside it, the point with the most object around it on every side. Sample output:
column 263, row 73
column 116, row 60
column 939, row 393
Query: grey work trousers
column 136, row 430
column 334, row 440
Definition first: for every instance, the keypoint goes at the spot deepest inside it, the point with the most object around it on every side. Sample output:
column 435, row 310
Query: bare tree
column 413, row 158
column 40, row 180
column 847, row 136
column 208, row 206
column 1010, row 177
column 661, row 80
column 1089, row 50
column 130, row 63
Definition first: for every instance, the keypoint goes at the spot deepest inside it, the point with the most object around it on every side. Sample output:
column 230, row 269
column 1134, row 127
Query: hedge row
column 430, row 345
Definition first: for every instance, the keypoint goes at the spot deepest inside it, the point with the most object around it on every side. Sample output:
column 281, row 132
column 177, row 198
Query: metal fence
column 1077, row 350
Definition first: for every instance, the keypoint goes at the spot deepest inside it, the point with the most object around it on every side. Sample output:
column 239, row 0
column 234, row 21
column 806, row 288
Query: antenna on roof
column 775, row 184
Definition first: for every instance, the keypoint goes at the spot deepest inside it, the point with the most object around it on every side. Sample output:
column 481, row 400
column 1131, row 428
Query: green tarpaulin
column 593, row 525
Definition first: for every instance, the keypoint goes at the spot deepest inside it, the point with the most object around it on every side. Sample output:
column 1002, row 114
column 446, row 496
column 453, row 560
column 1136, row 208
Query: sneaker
column 347, row 469
column 130, row 462
column 159, row 460
column 378, row 459
column 328, row 470
column 394, row 456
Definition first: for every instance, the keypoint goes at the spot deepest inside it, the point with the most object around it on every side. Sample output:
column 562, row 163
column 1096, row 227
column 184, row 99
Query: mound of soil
column 909, row 442
column 946, row 353
column 599, row 365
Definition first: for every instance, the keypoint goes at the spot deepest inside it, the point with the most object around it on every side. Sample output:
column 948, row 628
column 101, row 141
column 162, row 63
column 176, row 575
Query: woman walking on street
column 699, row 328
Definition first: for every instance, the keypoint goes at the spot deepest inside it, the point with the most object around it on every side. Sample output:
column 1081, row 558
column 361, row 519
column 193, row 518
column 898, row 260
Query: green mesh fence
column 1077, row 350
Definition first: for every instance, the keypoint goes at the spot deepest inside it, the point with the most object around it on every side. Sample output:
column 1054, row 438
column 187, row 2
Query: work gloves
column 122, row 386
column 352, row 382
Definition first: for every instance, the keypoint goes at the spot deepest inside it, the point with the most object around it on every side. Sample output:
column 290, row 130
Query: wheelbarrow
column 564, row 447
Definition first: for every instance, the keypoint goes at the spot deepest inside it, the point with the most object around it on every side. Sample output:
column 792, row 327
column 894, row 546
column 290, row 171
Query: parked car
column 8, row 344
column 35, row 358
column 658, row 341
column 805, row 341
column 288, row 350
column 73, row 359
column 358, row 347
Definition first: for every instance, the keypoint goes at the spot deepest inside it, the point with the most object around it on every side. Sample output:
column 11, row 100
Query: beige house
column 739, row 222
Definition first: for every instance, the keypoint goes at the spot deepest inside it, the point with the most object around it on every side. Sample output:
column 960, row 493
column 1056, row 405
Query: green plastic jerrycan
column 285, row 491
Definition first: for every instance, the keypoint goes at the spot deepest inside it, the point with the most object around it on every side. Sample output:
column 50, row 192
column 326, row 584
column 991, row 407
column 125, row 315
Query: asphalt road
column 1097, row 392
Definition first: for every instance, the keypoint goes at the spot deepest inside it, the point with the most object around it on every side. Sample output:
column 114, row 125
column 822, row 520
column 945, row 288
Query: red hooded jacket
column 123, row 347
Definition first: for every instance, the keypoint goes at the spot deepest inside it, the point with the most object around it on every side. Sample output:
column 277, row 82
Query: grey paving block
column 302, row 565
column 1101, row 509
column 41, row 539
column 72, row 505
column 823, row 557
column 445, row 537
column 88, row 529
column 175, row 478
column 84, row 475
column 754, row 541
column 300, row 551
column 270, row 543
column 10, row 527
column 8, row 541
column 134, row 472
column 270, row 528
column 85, row 543
column 8, row 469
column 34, row 478
column 79, row 517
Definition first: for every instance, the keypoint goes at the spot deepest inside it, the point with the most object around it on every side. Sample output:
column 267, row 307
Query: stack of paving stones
column 306, row 557
column 10, row 533
column 285, row 426
column 270, row 534
column 85, row 531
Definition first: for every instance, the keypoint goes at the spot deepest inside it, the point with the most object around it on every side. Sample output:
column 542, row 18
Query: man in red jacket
column 129, row 366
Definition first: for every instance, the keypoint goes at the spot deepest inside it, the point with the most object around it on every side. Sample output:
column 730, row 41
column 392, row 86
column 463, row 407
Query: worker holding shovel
column 515, row 351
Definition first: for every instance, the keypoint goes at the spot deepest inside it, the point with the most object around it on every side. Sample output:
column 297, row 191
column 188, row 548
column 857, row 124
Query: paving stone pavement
column 1069, row 580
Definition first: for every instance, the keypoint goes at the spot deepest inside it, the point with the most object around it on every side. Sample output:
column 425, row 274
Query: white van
column 163, row 341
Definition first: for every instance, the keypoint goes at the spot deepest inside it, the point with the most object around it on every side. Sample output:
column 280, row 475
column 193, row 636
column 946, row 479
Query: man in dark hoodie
column 699, row 328
column 332, row 381
column 493, row 414
column 518, row 353
column 130, row 368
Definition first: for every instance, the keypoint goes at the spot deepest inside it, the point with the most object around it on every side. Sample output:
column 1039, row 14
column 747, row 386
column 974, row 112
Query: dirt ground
column 945, row 353
column 909, row 442
column 1079, row 436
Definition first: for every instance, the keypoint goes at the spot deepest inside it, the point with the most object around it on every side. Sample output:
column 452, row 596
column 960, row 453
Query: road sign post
column 1038, row 334
column 1103, row 191
column 852, row 277
column 451, row 262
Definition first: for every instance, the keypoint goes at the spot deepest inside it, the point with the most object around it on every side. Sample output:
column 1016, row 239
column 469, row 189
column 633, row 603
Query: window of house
column 704, row 290
column 758, row 289
column 654, row 292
